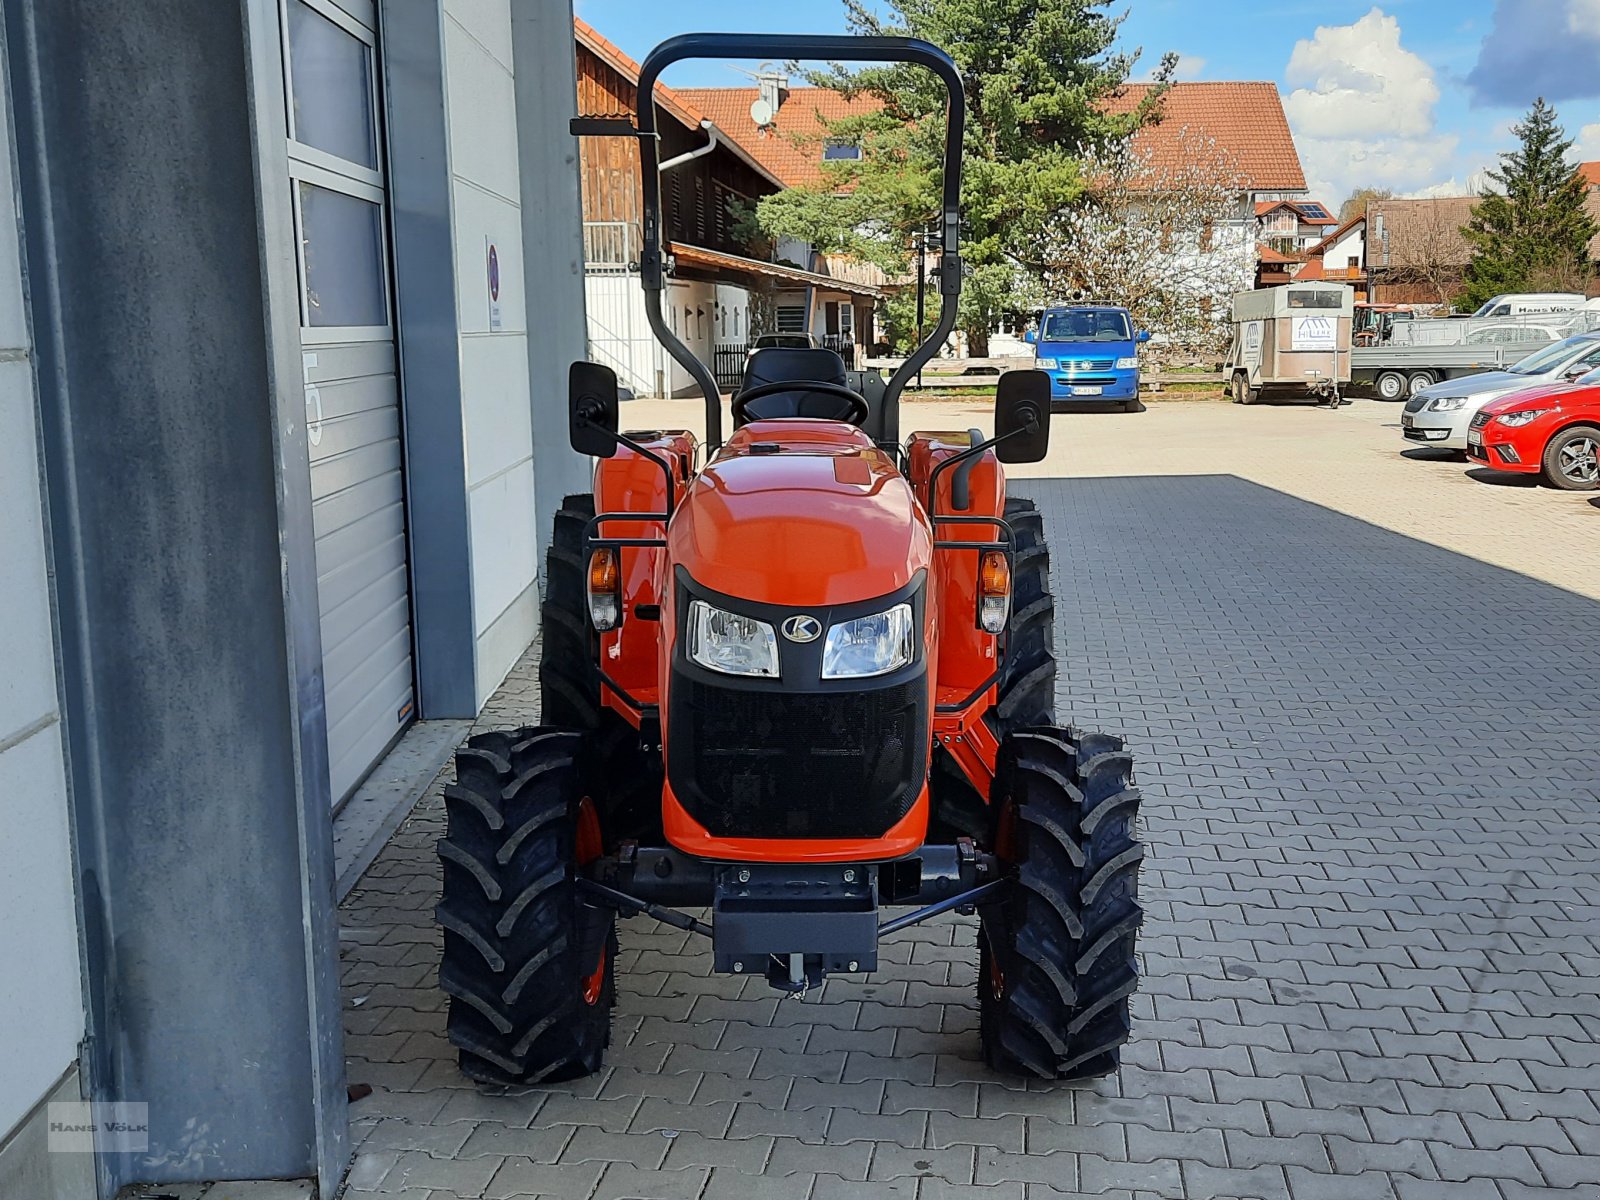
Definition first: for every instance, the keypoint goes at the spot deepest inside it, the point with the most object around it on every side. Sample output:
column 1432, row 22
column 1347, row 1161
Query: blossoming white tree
column 1169, row 235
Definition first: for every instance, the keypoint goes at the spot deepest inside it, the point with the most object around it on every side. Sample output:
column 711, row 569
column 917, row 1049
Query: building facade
column 286, row 305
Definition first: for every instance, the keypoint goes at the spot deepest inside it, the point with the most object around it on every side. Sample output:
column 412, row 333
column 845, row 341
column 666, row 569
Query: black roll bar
column 838, row 48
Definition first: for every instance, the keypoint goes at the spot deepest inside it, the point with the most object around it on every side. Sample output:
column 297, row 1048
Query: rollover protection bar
column 786, row 47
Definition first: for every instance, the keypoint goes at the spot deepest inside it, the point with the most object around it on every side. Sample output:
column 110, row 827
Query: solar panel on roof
column 1313, row 210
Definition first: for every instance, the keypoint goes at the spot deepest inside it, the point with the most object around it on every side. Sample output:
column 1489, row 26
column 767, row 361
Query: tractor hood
column 801, row 512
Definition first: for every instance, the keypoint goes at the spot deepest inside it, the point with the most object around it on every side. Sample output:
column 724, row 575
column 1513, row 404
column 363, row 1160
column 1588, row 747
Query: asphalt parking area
column 1365, row 702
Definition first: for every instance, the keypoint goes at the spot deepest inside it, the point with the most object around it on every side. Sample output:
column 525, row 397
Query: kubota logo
column 801, row 628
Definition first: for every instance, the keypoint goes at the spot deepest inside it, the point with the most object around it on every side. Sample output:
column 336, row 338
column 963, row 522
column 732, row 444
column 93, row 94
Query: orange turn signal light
column 994, row 577
column 603, row 574
column 994, row 592
column 605, row 589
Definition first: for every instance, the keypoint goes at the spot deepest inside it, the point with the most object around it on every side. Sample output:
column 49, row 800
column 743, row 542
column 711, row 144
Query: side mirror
column 592, row 409
column 1142, row 336
column 1022, row 416
column 1030, row 337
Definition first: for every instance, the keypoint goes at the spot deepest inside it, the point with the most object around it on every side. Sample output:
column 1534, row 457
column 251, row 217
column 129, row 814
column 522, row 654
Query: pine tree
column 1531, row 231
column 1038, row 74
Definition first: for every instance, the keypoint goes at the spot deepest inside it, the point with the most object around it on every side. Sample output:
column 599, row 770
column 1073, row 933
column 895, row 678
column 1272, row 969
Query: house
column 1243, row 123
column 1340, row 257
column 1414, row 250
column 792, row 142
column 1291, row 226
column 727, row 282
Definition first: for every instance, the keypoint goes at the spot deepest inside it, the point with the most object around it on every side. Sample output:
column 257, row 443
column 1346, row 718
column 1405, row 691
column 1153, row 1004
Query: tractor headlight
column 866, row 646
column 1044, row 364
column 731, row 643
column 1127, row 364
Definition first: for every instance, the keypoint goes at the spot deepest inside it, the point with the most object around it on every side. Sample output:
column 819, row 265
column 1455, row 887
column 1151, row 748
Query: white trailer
column 1290, row 341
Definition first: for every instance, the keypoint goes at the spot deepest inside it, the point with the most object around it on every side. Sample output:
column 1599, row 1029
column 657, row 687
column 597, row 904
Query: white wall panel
column 494, row 387
column 480, row 109
column 481, row 215
column 483, row 116
column 503, row 542
column 489, row 24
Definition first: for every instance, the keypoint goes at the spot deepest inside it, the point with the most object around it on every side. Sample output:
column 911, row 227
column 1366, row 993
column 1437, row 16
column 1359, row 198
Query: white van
column 1522, row 303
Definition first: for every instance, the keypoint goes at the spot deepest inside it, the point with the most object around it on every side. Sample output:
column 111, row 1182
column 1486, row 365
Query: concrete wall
column 41, row 998
column 486, row 208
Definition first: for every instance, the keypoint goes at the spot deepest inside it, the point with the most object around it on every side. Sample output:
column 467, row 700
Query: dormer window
column 835, row 150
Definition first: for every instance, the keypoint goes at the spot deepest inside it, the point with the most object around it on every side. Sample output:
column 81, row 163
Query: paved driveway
column 1372, row 959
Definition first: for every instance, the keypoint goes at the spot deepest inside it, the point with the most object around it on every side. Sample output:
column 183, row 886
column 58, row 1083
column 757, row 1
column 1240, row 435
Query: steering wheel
column 859, row 409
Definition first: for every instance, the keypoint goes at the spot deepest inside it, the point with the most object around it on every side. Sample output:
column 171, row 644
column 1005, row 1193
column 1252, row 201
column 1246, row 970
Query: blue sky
column 1415, row 95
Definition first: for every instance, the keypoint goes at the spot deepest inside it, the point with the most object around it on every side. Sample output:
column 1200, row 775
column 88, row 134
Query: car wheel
column 1390, row 385
column 1418, row 381
column 1572, row 459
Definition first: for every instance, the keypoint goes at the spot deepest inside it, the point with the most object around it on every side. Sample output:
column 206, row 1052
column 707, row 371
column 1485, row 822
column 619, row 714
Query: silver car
column 1438, row 415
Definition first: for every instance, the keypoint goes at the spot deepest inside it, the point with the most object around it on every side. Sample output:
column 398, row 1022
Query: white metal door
column 353, row 416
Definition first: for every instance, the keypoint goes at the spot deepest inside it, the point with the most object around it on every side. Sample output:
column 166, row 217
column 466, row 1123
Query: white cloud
column 1583, row 17
column 1473, row 185
column 1363, row 111
column 1189, row 67
column 1586, row 146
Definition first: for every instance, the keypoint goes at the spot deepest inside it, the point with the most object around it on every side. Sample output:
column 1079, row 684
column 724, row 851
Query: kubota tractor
column 795, row 677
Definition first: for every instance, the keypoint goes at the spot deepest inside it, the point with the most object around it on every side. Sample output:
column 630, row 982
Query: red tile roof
column 1245, row 119
column 1267, row 254
column 792, row 148
column 1590, row 172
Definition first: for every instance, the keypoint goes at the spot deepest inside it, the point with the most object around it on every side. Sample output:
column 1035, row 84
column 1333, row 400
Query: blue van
column 1091, row 353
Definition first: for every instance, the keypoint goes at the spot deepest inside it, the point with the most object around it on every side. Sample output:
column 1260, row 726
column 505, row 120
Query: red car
column 1552, row 431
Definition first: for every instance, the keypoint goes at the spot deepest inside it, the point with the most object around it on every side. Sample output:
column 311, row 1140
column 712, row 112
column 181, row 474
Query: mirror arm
column 960, row 491
column 666, row 467
column 969, row 453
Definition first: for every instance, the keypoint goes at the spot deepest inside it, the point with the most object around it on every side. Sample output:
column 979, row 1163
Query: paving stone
column 542, row 1145
column 623, row 1181
column 740, row 1154
column 1369, row 892
column 726, row 1184
column 792, row 1157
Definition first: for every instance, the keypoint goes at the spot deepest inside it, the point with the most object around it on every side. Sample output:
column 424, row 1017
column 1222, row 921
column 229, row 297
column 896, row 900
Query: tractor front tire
column 527, row 964
column 1057, row 957
column 569, row 660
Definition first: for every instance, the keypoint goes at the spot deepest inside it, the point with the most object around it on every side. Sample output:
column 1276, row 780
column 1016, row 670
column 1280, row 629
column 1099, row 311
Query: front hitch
column 794, row 922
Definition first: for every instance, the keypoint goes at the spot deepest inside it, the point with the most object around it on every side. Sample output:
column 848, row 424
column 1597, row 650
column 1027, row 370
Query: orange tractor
column 796, row 677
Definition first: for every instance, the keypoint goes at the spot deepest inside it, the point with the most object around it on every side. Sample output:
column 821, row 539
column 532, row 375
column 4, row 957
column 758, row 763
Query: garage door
column 352, row 396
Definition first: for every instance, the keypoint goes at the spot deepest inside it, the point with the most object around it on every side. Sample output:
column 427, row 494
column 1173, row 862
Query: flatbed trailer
column 1395, row 372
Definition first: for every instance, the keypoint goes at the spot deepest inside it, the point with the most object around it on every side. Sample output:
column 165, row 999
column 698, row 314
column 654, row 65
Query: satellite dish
column 761, row 112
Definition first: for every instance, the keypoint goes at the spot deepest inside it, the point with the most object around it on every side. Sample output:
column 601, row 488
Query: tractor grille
column 759, row 763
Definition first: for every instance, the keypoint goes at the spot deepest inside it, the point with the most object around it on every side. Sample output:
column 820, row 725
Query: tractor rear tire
column 1057, row 959
column 527, row 964
column 569, row 660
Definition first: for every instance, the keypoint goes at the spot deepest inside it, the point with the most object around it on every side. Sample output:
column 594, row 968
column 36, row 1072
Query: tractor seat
column 782, row 364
